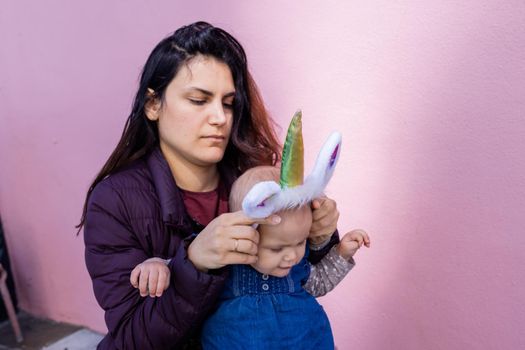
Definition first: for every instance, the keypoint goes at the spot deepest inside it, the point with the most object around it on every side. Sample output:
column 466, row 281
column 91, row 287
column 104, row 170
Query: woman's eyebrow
column 209, row 93
column 205, row 92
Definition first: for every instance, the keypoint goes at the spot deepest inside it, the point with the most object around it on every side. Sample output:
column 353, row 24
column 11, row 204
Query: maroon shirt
column 203, row 207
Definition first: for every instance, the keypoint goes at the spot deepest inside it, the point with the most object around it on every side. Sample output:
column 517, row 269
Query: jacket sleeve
column 112, row 251
column 317, row 252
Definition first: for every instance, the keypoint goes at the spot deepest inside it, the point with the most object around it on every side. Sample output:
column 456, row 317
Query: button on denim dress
column 258, row 311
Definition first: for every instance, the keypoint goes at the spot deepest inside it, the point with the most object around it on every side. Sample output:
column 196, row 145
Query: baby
column 271, row 303
column 295, row 224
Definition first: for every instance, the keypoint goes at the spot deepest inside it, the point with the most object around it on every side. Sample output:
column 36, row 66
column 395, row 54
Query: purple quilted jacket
column 133, row 215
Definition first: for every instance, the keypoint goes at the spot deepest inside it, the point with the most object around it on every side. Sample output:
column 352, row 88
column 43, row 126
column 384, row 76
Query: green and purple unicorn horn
column 268, row 197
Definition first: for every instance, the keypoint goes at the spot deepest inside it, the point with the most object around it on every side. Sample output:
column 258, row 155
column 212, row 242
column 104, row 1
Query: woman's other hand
column 324, row 219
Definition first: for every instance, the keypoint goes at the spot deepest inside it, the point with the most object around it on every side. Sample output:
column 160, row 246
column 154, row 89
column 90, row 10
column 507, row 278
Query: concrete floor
column 46, row 334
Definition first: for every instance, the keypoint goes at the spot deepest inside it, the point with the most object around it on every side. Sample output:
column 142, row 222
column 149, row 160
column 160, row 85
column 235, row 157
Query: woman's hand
column 228, row 239
column 324, row 219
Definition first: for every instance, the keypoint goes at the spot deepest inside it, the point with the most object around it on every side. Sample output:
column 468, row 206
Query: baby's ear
column 257, row 203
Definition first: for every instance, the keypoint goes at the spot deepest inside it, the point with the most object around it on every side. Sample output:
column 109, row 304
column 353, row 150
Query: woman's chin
column 211, row 157
column 206, row 160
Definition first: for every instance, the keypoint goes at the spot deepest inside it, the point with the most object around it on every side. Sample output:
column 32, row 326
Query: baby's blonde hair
column 247, row 180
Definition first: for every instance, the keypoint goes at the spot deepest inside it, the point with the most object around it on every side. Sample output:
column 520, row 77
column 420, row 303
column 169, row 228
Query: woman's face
column 196, row 115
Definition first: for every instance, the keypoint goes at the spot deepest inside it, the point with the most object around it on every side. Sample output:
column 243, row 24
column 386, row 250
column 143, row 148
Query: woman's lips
column 215, row 138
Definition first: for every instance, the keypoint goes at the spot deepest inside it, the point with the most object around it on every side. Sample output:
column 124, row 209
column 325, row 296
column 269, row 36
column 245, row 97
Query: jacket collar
column 170, row 198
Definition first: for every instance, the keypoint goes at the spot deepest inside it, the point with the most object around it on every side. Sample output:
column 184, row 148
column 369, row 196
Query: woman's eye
column 197, row 102
column 228, row 105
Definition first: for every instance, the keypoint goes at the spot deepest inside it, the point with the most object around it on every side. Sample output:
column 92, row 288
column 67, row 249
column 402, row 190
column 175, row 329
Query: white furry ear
column 324, row 166
column 266, row 198
column 257, row 203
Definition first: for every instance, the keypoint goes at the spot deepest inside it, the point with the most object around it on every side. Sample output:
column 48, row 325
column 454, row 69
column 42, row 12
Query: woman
column 197, row 123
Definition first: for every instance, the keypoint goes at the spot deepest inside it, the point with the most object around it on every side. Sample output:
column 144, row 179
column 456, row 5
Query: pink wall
column 429, row 97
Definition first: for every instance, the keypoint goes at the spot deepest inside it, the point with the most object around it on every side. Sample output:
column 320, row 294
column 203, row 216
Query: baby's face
column 282, row 246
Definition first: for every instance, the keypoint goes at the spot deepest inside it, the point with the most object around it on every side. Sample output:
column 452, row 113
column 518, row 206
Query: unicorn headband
column 268, row 197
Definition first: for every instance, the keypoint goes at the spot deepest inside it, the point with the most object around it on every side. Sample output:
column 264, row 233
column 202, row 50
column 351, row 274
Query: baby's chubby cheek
column 260, row 266
column 264, row 264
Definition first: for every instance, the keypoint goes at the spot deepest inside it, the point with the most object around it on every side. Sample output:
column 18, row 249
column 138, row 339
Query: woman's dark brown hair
column 252, row 142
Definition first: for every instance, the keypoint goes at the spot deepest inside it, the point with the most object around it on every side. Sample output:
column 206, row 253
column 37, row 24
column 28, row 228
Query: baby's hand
column 151, row 277
column 351, row 242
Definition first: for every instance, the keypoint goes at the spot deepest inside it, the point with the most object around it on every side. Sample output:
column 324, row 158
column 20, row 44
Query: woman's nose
column 217, row 114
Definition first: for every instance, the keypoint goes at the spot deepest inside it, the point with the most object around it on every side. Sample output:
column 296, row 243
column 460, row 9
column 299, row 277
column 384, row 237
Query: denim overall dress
column 258, row 311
